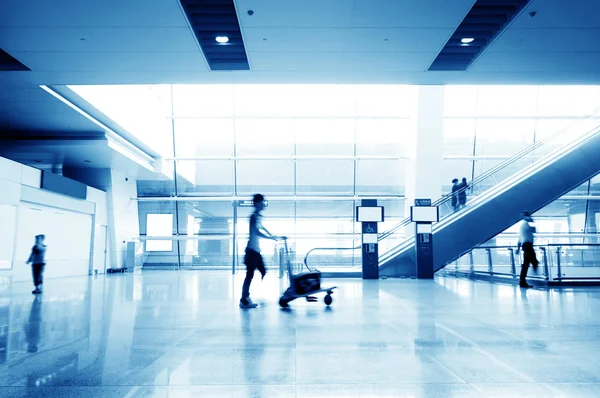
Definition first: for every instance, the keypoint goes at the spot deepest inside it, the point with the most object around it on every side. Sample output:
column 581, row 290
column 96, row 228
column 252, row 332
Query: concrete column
column 123, row 223
column 425, row 149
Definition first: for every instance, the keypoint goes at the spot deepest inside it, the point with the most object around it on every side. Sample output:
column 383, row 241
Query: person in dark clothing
column 253, row 259
column 454, row 195
column 462, row 193
column 526, row 231
column 38, row 262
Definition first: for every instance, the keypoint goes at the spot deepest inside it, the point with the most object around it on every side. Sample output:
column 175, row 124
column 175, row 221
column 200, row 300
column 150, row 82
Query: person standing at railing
column 253, row 259
column 454, row 195
column 526, row 231
column 462, row 193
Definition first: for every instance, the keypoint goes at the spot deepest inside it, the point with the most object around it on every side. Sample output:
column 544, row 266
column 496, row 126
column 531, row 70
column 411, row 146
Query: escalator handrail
column 507, row 162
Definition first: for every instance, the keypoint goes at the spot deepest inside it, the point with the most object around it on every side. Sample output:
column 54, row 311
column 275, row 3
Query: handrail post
column 513, row 266
column 489, row 257
column 281, row 262
column 471, row 262
column 558, row 269
column 546, row 271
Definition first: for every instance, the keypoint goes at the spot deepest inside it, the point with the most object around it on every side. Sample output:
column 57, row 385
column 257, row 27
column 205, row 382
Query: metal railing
column 558, row 262
column 477, row 186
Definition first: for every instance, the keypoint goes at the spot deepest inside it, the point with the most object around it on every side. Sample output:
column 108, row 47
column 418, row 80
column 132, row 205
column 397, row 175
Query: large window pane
column 331, row 223
column 269, row 177
column 159, row 225
column 207, row 227
column 212, row 100
column 205, row 177
column 153, row 188
column 325, row 177
column 323, row 100
column 460, row 101
column 264, row 137
column 271, row 100
column 385, row 100
column 203, row 137
column 382, row 137
column 503, row 136
column 380, row 177
column 507, row 100
column 318, row 137
column 459, row 136
column 567, row 100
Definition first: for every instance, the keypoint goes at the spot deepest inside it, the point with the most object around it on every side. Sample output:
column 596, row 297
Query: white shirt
column 255, row 225
column 526, row 230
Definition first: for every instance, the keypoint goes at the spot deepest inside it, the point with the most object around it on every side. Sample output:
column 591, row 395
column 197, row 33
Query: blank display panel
column 369, row 214
column 424, row 214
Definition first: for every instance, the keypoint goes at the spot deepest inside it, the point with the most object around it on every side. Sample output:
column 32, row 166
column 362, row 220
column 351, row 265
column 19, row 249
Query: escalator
column 498, row 203
column 529, row 180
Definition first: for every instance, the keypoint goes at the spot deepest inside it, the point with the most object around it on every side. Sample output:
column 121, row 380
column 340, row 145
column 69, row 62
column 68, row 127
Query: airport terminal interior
column 414, row 159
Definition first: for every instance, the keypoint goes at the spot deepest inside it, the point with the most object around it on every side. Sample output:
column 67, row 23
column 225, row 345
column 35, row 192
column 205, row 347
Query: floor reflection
column 182, row 334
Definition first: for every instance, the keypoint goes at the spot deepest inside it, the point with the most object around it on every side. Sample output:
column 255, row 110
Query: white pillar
column 425, row 147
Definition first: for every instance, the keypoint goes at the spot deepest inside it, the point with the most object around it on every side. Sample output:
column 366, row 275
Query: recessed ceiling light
column 467, row 40
column 222, row 39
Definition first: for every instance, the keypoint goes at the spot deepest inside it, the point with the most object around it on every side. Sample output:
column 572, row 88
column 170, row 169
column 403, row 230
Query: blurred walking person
column 38, row 262
column 253, row 259
column 526, row 231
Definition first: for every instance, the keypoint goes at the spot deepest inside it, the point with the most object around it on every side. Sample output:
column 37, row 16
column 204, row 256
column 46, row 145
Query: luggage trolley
column 304, row 284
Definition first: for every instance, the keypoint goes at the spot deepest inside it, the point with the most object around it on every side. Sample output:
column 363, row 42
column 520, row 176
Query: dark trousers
column 529, row 258
column 37, row 270
column 253, row 261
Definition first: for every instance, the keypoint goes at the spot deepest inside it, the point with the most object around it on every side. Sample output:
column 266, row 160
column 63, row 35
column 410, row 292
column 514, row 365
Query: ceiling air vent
column 9, row 63
column 484, row 22
column 217, row 29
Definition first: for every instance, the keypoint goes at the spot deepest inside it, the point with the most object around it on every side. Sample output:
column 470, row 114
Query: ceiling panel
column 373, row 61
column 339, row 39
column 560, row 14
column 398, row 39
column 409, row 13
column 68, row 13
column 548, row 40
column 285, row 39
column 340, row 61
column 556, row 63
column 166, row 39
column 112, row 61
column 295, row 13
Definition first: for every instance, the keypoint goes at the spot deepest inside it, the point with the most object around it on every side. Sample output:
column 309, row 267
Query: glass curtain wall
column 313, row 151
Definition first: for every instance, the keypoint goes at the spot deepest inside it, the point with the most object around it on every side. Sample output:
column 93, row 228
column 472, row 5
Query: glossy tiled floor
column 181, row 334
